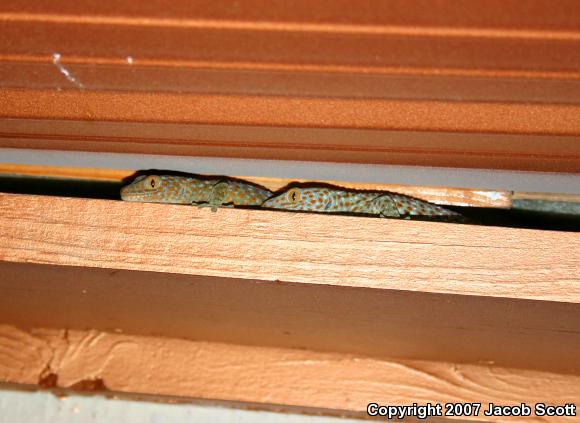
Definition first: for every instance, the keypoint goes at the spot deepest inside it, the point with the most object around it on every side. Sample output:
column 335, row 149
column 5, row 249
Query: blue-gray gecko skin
column 215, row 192
column 191, row 190
column 337, row 200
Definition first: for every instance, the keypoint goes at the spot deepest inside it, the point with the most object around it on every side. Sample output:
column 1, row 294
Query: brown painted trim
column 489, row 85
column 543, row 137
column 534, row 119
column 479, row 39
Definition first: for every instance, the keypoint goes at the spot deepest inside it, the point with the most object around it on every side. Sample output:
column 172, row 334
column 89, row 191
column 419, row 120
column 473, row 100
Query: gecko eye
column 151, row 182
column 293, row 195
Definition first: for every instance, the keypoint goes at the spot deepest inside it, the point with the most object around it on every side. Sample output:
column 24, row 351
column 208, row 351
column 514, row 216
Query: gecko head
column 151, row 188
column 307, row 199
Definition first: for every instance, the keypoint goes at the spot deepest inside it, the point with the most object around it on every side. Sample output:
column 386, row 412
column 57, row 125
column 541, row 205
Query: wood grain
column 291, row 247
column 381, row 323
column 336, row 383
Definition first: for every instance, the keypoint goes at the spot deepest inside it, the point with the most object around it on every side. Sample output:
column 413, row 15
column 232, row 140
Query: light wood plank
column 97, row 174
column 292, row 247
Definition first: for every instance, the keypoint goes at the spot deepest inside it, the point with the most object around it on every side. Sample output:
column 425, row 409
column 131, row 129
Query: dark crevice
column 530, row 214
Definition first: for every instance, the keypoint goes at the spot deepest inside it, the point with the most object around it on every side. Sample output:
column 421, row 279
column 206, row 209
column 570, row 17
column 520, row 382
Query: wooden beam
column 290, row 247
column 382, row 323
column 328, row 382
column 196, row 302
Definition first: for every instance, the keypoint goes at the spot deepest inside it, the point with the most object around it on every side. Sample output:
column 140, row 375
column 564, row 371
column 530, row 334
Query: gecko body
column 211, row 192
column 337, row 200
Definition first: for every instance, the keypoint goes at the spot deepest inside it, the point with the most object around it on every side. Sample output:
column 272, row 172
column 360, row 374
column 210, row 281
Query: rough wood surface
column 372, row 322
column 93, row 360
column 438, row 195
column 291, row 247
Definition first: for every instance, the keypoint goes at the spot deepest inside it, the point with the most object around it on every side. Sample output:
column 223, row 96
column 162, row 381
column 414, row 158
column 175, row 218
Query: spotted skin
column 191, row 190
column 336, row 200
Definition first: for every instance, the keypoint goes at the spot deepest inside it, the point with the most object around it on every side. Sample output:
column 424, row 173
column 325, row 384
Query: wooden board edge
column 98, row 361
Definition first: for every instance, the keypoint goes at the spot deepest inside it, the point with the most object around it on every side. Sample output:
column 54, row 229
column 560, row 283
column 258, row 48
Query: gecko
column 199, row 191
column 330, row 199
